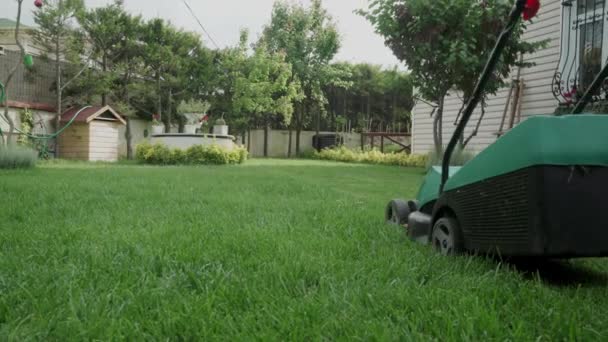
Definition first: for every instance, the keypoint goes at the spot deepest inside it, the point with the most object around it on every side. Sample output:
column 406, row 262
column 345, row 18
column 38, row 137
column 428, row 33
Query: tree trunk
column 104, row 65
column 369, row 108
column 170, row 112
column 59, row 91
column 11, row 123
column 318, row 123
column 248, row 139
column 266, row 128
column 299, row 128
column 289, row 144
column 394, row 104
column 159, row 103
column 129, row 137
column 437, row 128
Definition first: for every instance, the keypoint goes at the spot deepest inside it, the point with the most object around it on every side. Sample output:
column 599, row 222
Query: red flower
column 570, row 95
column 156, row 117
column 204, row 118
column 530, row 9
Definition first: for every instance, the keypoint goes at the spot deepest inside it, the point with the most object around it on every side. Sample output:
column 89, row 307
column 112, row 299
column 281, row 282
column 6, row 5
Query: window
column 584, row 45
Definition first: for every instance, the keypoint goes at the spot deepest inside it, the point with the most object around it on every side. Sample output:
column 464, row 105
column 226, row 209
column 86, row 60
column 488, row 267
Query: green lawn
column 276, row 250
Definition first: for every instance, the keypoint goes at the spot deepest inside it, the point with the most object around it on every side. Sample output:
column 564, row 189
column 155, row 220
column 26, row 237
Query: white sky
column 224, row 18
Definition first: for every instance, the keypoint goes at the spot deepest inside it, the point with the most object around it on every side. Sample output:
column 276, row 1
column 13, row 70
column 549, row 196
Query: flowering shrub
column 347, row 155
column 159, row 154
column 156, row 120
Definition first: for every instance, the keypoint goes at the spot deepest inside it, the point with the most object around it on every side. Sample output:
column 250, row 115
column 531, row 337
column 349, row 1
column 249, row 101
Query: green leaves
column 309, row 39
column 265, row 85
column 446, row 43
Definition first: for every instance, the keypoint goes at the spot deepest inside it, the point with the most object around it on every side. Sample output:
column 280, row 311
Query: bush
column 196, row 154
column 159, row 154
column 17, row 157
column 217, row 156
column 142, row 150
column 343, row 154
column 178, row 156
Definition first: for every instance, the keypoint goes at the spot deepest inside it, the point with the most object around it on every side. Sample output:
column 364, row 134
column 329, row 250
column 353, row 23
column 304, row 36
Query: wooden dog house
column 93, row 135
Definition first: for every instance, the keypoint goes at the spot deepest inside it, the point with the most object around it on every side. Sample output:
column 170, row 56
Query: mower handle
column 514, row 16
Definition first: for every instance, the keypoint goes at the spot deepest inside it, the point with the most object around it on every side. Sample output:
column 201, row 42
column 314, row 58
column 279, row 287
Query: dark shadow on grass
column 561, row 273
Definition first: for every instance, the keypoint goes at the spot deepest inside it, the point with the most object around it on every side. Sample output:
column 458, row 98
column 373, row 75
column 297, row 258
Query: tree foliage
column 267, row 86
column 309, row 39
column 446, row 43
column 57, row 38
column 285, row 79
column 369, row 98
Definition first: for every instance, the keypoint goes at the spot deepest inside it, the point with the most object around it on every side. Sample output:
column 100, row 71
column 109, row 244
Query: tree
column 266, row 89
column 110, row 37
column 14, row 69
column 398, row 87
column 127, row 67
column 337, row 79
column 105, row 30
column 310, row 40
column 55, row 36
column 158, row 55
column 369, row 98
column 185, row 73
column 446, row 44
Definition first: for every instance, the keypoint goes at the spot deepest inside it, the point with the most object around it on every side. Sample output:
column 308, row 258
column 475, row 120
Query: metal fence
column 33, row 85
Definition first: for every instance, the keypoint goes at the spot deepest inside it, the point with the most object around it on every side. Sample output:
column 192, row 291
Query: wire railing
column 584, row 51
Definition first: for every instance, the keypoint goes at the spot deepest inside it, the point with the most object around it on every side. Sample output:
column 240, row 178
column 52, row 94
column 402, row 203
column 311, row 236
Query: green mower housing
column 539, row 190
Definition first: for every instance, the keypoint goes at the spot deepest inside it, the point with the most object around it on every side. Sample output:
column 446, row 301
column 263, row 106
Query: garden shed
column 93, row 134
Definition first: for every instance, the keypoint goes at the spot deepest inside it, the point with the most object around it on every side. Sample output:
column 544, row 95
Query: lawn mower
column 538, row 191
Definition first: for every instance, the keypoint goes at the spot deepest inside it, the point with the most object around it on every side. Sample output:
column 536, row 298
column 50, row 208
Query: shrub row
column 159, row 154
column 17, row 157
column 347, row 155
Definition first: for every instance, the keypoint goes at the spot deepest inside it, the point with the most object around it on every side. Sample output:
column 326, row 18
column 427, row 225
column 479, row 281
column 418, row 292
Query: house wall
column 138, row 128
column 103, row 140
column 43, row 122
column 7, row 40
column 537, row 97
column 74, row 142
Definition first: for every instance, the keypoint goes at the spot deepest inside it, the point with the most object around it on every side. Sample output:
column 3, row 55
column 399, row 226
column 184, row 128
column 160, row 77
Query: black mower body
column 548, row 200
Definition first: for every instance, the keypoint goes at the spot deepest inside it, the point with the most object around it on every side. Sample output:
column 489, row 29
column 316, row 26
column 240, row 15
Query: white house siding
column 103, row 140
column 537, row 98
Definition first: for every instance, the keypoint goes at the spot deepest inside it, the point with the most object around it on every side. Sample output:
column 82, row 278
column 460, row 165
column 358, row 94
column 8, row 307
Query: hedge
column 16, row 157
column 343, row 154
column 159, row 154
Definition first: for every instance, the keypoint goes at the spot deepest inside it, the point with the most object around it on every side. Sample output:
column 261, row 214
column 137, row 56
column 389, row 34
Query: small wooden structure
column 390, row 136
column 93, row 135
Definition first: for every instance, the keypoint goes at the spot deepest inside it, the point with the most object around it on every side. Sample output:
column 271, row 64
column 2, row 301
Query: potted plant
column 157, row 125
column 191, row 111
column 220, row 127
column 204, row 124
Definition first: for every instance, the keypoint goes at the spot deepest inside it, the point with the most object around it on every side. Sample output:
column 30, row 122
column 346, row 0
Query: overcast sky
column 224, row 18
